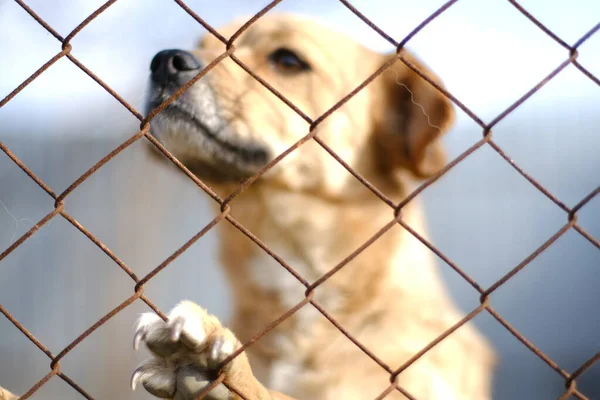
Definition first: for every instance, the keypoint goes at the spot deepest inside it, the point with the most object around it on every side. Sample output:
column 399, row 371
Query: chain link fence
column 571, row 52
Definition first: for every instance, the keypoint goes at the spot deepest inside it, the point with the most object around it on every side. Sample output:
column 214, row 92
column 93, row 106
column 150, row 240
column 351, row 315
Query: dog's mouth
column 206, row 145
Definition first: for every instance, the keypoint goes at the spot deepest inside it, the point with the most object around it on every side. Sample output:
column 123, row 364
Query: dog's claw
column 176, row 328
column 142, row 326
column 137, row 374
column 137, row 339
column 157, row 378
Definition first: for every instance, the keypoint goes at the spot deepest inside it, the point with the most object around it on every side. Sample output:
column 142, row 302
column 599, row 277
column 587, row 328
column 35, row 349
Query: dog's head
column 228, row 125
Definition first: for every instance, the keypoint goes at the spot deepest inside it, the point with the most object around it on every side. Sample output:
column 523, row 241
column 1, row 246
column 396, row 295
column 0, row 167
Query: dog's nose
column 168, row 66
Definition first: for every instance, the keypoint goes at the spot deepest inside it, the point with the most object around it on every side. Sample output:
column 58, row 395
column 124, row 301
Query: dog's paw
column 187, row 349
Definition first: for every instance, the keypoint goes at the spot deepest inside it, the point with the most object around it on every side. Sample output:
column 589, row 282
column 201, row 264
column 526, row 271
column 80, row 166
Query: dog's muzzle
column 191, row 126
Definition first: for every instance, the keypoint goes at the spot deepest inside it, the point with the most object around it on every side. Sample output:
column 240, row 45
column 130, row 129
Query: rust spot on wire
column 100, row 245
column 33, row 76
column 586, row 72
column 530, row 92
column 271, row 89
column 183, row 248
column 442, row 172
column 86, row 21
column 268, row 329
column 251, row 21
column 443, row 91
column 74, row 385
column 183, row 168
column 529, row 259
column 351, row 256
column 248, row 181
column 584, row 366
column 584, row 201
column 387, row 391
column 369, row 23
column 39, row 384
column 201, row 21
column 442, row 256
column 25, row 332
column 539, row 24
column 213, row 385
column 95, row 326
column 267, row 250
column 437, row 340
column 110, row 91
column 29, row 173
column 586, row 235
column 99, row 164
column 423, row 24
column 30, row 232
column 521, row 338
column 346, row 333
column 529, row 178
column 39, row 20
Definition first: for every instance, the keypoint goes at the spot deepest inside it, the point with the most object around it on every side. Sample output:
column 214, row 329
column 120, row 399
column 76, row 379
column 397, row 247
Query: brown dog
column 312, row 213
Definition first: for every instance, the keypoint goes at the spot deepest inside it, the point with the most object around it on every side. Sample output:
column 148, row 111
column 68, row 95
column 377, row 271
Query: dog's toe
column 156, row 334
column 157, row 377
column 222, row 346
column 190, row 323
column 145, row 323
column 192, row 381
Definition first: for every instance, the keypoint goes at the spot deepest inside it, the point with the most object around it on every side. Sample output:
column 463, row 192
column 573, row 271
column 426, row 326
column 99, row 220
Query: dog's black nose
column 168, row 66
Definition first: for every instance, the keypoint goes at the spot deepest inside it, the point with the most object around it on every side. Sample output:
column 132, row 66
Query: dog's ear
column 410, row 117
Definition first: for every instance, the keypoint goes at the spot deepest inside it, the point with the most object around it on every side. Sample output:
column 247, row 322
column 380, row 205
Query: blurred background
column 482, row 214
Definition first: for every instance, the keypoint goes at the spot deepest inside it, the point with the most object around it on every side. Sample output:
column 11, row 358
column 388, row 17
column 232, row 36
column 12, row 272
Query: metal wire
column 571, row 55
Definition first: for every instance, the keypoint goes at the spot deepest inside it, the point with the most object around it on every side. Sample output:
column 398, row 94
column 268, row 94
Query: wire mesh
column 571, row 58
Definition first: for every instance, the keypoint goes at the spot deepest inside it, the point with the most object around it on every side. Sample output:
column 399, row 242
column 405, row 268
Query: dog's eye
column 287, row 61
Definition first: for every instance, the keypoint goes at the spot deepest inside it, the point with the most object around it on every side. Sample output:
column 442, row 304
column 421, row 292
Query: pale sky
column 487, row 52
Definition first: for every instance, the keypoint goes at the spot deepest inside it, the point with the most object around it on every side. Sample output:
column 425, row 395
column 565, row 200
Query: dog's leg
column 187, row 350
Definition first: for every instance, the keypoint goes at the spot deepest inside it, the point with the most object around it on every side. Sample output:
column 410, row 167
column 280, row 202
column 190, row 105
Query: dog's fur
column 312, row 213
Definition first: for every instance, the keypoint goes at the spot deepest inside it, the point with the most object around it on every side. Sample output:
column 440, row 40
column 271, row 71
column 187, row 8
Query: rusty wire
column 571, row 56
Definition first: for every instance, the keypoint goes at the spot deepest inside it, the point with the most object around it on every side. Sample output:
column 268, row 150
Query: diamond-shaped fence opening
column 313, row 287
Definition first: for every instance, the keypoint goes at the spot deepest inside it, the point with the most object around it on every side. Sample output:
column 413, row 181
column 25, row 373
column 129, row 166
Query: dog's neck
column 312, row 236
